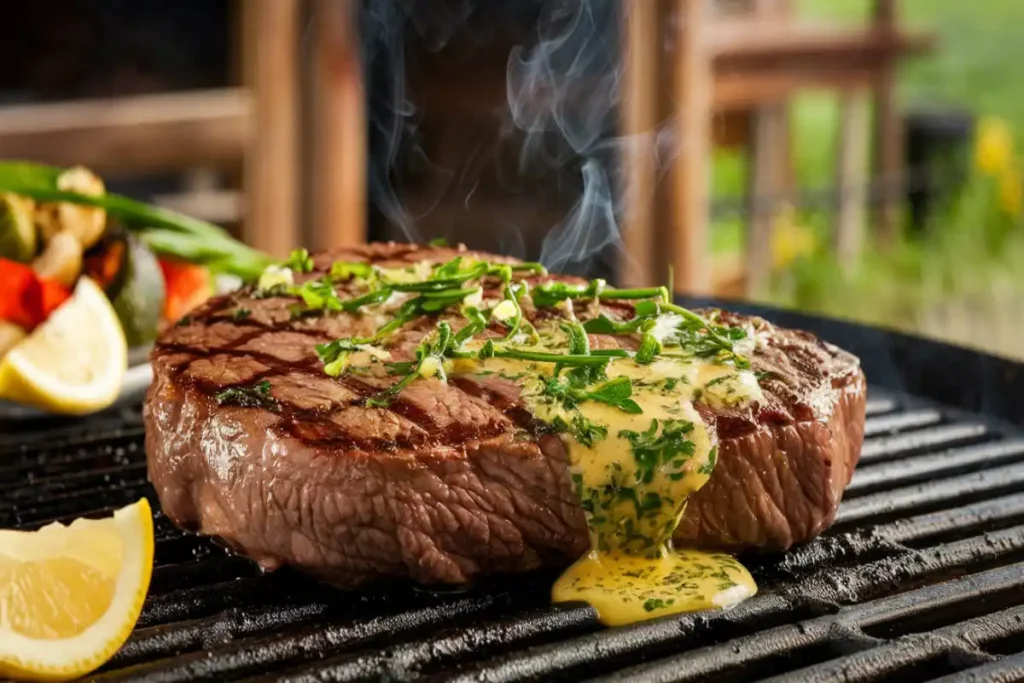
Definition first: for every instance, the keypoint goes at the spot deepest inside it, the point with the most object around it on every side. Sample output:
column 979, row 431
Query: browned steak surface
column 454, row 479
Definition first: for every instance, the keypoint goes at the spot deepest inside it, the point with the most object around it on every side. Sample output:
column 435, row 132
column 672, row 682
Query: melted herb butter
column 625, row 589
column 634, row 473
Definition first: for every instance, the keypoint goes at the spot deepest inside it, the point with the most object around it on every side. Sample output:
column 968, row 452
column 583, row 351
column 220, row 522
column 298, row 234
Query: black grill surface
column 921, row 578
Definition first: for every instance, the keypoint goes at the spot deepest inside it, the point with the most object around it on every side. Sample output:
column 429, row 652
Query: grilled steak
column 452, row 480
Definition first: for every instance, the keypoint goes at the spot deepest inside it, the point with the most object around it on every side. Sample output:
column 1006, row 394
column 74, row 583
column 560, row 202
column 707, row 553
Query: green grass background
column 966, row 257
column 978, row 65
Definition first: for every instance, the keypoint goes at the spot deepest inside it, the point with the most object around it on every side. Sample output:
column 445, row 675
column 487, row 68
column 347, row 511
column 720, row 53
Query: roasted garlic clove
column 61, row 260
column 85, row 223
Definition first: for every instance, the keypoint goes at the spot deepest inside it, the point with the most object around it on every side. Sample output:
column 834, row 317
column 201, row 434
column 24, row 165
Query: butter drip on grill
column 633, row 485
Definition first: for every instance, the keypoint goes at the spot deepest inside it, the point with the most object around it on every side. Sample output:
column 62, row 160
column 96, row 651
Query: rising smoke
column 564, row 87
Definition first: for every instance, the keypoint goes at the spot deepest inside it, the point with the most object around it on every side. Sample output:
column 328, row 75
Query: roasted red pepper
column 25, row 298
column 187, row 285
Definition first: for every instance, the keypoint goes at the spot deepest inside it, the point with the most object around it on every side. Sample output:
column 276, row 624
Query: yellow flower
column 790, row 239
column 1010, row 190
column 993, row 149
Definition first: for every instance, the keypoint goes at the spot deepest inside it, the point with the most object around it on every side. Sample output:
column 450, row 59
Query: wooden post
column 642, row 55
column 271, row 31
column 766, row 184
column 888, row 141
column 337, row 144
column 769, row 155
column 851, row 175
column 688, row 250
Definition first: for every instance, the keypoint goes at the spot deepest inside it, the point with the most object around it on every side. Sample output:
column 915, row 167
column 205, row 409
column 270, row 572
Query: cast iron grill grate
column 921, row 578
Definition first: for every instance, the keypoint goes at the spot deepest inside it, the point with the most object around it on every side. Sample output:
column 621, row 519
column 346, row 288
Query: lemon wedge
column 74, row 362
column 70, row 595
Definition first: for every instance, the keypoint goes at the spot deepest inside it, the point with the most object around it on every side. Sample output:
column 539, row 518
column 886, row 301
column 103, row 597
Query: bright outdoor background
column 964, row 278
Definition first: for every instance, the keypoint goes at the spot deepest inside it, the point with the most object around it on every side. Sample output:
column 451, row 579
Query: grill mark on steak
column 514, row 410
column 473, row 485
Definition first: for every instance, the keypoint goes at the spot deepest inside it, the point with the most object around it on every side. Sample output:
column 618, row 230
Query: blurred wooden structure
column 295, row 127
column 734, row 67
column 263, row 127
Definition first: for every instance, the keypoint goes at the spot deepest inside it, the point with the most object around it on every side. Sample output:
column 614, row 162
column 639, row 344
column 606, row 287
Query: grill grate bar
column 961, row 519
column 254, row 655
column 950, row 491
column 622, row 644
column 1005, row 670
column 885, row 475
column 57, row 506
column 158, row 642
column 894, row 657
column 879, row 405
column 405, row 661
column 83, row 480
column 842, row 627
column 215, row 569
column 20, row 450
column 879, row 449
column 50, row 465
column 876, row 426
column 198, row 601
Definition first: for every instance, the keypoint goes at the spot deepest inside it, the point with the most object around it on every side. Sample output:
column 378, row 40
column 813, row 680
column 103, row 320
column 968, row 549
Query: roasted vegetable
column 61, row 260
column 17, row 229
column 165, row 232
column 84, row 223
column 130, row 276
column 187, row 285
column 27, row 299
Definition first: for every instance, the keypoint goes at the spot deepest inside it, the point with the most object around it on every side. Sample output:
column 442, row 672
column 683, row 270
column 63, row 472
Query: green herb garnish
column 430, row 357
column 709, row 467
column 665, row 450
column 335, row 355
column 586, row 432
column 649, row 348
column 615, row 392
column 319, row 295
column 346, row 270
column 300, row 261
column 254, row 396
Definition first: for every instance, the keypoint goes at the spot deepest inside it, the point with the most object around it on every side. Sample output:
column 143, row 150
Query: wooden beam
column 339, row 128
column 770, row 42
column 140, row 133
column 639, row 126
column 688, row 249
column 271, row 34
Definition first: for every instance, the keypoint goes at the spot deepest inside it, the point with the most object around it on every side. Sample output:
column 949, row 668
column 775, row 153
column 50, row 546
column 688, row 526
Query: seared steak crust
column 453, row 480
